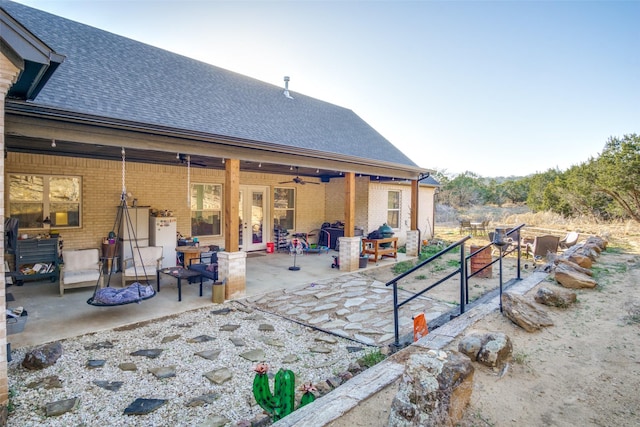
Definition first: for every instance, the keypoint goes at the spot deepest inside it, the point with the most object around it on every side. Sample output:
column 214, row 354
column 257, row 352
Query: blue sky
column 497, row 88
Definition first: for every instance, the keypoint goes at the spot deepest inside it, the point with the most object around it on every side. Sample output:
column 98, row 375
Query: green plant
column 520, row 358
column 372, row 358
column 10, row 406
column 402, row 267
column 281, row 402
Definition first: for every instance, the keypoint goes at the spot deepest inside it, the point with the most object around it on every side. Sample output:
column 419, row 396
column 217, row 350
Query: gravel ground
column 235, row 402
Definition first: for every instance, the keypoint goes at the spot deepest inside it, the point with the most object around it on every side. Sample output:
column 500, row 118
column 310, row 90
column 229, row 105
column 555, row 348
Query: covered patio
column 51, row 317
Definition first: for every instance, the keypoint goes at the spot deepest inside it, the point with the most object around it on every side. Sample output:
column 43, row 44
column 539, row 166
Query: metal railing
column 461, row 270
column 509, row 248
column 512, row 246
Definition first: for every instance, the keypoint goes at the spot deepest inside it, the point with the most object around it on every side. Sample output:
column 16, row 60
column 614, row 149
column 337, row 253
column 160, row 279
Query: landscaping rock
column 434, row 390
column 573, row 279
column 524, row 314
column 42, row 357
column 555, row 297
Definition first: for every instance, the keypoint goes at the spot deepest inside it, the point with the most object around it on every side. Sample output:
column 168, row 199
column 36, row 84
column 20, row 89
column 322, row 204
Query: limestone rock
column 573, row 279
column 43, row 356
column 581, row 260
column 597, row 241
column 555, row 297
column 52, row 381
column 163, row 371
column 524, row 314
column 491, row 349
column 496, row 351
column 434, row 391
column 53, row 409
column 577, row 267
column 219, row 376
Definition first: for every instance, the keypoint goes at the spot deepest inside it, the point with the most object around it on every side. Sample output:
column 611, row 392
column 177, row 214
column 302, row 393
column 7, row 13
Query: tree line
column 605, row 187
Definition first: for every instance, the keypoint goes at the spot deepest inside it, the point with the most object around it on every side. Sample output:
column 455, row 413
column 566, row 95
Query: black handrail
column 461, row 270
column 514, row 234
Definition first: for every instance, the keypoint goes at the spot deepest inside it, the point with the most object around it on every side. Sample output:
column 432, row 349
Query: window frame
column 219, row 211
column 287, row 209
column 46, row 201
column 394, row 209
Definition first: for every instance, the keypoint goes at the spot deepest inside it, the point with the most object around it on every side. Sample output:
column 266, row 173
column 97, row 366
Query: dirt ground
column 582, row 371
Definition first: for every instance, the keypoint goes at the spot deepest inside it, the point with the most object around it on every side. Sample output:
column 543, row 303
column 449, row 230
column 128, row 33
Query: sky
column 497, row 88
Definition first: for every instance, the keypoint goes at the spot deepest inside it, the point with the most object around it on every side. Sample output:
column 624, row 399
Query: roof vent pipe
column 286, row 87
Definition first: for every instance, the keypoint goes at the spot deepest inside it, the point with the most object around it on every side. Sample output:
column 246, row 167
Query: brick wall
column 8, row 75
column 158, row 186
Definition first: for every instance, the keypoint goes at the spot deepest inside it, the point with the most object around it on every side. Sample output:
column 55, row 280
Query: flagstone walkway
column 351, row 306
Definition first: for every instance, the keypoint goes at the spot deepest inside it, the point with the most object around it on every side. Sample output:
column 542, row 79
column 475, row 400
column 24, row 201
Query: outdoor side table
column 179, row 273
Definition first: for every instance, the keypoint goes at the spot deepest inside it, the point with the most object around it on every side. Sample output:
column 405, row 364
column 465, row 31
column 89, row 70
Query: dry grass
column 619, row 233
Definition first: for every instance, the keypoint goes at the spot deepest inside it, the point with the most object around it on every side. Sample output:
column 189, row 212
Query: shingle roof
column 115, row 77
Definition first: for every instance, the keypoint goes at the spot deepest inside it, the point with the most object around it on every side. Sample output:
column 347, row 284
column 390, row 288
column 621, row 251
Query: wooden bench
column 374, row 247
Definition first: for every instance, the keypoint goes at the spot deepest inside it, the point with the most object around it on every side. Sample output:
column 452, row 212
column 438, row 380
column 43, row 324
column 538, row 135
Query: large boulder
column 570, row 278
column 434, row 391
column 43, row 356
column 524, row 314
column 575, row 266
column 555, row 297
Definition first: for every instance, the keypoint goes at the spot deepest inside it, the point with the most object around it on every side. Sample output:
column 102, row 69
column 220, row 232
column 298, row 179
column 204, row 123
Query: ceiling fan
column 298, row 180
column 185, row 159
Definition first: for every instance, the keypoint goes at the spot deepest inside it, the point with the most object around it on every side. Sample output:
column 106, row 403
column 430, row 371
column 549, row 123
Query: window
column 284, row 208
column 206, row 209
column 393, row 209
column 33, row 198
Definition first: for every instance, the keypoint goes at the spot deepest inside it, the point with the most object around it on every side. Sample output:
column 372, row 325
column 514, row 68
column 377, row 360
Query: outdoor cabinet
column 37, row 259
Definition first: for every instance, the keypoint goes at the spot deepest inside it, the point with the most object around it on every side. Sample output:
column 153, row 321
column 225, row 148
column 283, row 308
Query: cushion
column 81, row 259
column 79, row 276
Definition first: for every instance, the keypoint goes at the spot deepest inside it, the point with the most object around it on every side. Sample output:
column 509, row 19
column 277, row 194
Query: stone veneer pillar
column 8, row 75
column 350, row 253
column 412, row 245
column 232, row 271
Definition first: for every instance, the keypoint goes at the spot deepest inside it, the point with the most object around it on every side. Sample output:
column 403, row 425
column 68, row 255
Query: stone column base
column 350, row 253
column 232, row 271
column 413, row 243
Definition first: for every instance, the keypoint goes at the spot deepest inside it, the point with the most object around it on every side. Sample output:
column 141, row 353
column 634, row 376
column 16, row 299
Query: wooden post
column 231, row 205
column 349, row 204
column 415, row 202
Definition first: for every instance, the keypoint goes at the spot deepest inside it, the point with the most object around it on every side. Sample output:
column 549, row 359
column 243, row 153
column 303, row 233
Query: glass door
column 254, row 233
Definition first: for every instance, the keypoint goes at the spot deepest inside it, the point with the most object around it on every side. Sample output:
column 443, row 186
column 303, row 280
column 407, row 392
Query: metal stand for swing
column 123, row 217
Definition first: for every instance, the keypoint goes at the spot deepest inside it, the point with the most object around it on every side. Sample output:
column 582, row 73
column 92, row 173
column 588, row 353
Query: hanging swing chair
column 108, row 296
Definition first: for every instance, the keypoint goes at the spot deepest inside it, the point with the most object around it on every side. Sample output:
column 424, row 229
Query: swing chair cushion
column 111, row 296
column 81, row 268
column 146, row 261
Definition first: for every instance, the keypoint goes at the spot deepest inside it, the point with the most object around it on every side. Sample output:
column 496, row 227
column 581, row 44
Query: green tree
column 616, row 173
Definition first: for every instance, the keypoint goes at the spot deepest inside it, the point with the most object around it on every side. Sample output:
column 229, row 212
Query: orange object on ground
column 420, row 328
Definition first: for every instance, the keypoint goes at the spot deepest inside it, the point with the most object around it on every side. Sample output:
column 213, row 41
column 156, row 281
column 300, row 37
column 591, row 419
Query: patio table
column 179, row 273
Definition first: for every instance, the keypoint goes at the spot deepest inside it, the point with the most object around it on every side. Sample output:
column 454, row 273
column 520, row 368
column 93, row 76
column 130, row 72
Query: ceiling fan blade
column 285, row 182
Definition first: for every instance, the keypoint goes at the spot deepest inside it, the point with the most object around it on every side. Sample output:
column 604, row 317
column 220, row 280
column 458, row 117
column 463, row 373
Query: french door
column 254, row 218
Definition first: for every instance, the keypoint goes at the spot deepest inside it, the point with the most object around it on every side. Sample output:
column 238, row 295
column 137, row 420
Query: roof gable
column 115, row 77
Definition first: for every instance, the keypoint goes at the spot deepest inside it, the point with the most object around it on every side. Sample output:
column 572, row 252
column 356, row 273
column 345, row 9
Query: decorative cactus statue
column 307, row 396
column 281, row 402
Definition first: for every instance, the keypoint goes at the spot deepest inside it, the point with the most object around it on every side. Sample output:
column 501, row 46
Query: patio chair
column 207, row 267
column 569, row 240
column 81, row 269
column 542, row 246
column 144, row 264
column 465, row 226
column 481, row 227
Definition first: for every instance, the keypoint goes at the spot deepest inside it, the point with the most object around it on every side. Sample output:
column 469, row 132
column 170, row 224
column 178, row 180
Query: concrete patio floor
column 52, row 318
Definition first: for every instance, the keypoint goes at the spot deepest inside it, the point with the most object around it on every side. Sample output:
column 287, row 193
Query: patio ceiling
column 87, row 138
